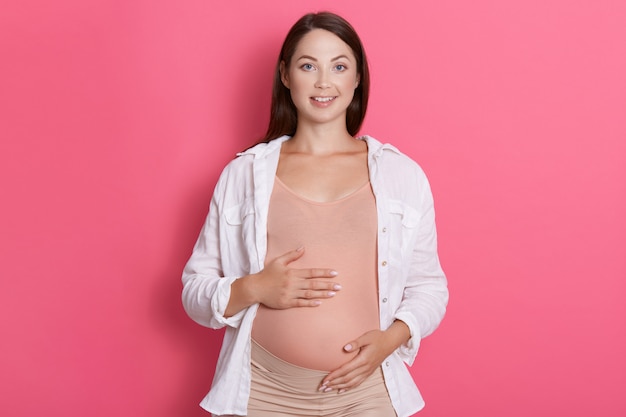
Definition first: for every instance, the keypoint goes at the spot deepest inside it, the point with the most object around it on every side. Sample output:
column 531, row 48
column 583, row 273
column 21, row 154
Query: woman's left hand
column 372, row 349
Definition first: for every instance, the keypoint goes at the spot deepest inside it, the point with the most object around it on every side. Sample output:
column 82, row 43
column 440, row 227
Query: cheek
column 350, row 83
column 296, row 90
column 300, row 88
column 295, row 82
column 350, row 86
column 295, row 97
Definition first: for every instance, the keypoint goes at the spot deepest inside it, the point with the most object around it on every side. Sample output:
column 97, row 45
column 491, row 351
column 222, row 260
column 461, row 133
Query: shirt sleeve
column 206, row 292
column 425, row 295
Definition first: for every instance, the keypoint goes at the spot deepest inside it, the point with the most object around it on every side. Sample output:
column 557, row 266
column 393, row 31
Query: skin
column 321, row 162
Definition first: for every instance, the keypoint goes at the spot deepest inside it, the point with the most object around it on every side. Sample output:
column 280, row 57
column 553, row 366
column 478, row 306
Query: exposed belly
column 314, row 337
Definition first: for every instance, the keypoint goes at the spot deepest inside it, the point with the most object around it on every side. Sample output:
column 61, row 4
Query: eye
column 307, row 67
column 340, row 67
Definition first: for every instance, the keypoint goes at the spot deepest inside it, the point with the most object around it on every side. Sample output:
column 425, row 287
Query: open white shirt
column 233, row 243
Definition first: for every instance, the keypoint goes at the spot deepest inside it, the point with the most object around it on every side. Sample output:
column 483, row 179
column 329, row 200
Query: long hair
column 283, row 113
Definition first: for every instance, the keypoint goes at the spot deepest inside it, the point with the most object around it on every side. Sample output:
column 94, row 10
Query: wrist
column 241, row 296
column 246, row 284
column 398, row 335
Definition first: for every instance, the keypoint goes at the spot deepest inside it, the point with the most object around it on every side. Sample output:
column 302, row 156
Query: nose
column 322, row 80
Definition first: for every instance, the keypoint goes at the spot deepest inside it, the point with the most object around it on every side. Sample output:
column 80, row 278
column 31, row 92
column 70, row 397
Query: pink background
column 117, row 116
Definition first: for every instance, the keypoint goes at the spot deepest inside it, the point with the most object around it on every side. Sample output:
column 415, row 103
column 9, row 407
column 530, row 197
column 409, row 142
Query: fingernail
column 347, row 347
column 300, row 249
column 336, row 287
column 322, row 388
column 333, row 273
column 328, row 389
column 331, row 293
column 341, row 391
column 317, row 302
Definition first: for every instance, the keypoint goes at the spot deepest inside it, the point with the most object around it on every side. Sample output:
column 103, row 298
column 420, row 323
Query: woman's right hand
column 280, row 287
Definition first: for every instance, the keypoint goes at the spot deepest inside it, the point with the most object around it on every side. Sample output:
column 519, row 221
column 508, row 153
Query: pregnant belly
column 314, row 337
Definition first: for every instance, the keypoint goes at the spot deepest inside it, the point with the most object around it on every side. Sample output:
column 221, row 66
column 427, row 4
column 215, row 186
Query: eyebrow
column 332, row 60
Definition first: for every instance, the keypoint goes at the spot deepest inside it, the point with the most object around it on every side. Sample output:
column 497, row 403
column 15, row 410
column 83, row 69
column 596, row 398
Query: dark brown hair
column 283, row 114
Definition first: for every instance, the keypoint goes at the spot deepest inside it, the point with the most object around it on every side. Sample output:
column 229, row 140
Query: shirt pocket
column 235, row 215
column 404, row 223
column 238, row 236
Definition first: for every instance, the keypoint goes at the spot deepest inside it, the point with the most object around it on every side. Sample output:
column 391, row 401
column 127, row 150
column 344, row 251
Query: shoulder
column 396, row 176
column 237, row 177
column 391, row 160
column 264, row 149
column 244, row 161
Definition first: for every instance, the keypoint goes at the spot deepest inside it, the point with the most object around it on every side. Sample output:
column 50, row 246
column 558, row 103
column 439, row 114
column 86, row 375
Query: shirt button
column 384, row 263
column 384, row 230
column 384, row 300
column 387, row 363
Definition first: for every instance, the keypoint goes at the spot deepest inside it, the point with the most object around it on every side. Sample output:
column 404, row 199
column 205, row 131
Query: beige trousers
column 280, row 389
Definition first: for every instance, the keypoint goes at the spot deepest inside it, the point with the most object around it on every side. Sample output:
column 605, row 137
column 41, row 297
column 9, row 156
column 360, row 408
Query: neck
column 321, row 139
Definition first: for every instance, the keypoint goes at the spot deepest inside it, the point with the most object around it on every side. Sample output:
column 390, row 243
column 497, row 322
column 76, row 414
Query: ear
column 358, row 81
column 283, row 74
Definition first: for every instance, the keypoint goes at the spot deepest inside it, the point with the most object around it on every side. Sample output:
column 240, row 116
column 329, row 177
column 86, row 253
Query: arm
column 206, row 290
column 425, row 295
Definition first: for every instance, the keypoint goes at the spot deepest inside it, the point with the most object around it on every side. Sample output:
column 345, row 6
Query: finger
column 360, row 342
column 317, row 273
column 351, row 346
column 344, row 382
column 320, row 286
column 291, row 256
column 352, row 378
column 311, row 294
column 339, row 375
column 301, row 302
column 351, row 384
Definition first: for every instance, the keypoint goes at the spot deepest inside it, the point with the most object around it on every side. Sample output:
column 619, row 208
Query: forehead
column 320, row 43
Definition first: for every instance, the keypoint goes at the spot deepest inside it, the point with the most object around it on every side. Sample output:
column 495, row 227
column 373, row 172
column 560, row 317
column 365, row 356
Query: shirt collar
column 261, row 150
column 376, row 148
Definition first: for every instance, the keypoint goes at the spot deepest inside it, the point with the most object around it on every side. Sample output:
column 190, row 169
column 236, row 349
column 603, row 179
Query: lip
column 322, row 101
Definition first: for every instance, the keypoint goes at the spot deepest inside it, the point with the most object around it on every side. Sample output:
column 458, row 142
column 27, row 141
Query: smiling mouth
column 323, row 99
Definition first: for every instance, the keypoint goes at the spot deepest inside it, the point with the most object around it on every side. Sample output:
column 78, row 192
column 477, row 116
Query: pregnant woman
column 319, row 253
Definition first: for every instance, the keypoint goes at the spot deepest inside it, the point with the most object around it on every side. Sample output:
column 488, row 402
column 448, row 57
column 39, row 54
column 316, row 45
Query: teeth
column 323, row 99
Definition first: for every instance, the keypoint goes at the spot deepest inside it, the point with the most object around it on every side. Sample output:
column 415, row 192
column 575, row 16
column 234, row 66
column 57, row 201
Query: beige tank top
column 340, row 235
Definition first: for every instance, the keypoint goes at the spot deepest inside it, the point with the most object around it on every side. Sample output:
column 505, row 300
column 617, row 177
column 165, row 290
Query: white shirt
column 233, row 243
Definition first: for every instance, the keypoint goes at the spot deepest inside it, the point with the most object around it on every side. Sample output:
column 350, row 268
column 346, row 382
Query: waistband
column 268, row 362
